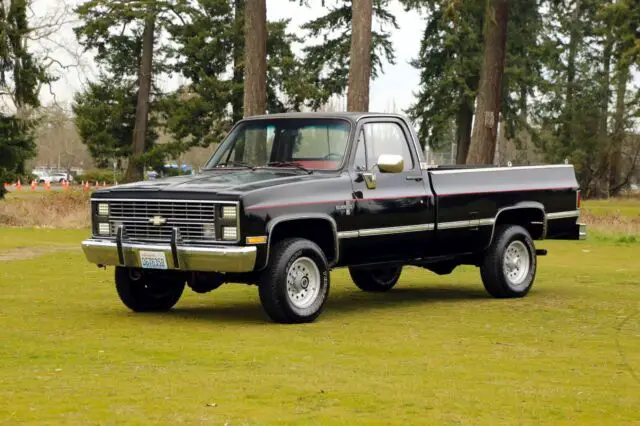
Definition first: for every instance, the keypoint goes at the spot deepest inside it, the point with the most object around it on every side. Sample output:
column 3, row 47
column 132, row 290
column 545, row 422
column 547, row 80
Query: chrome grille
column 194, row 220
column 173, row 211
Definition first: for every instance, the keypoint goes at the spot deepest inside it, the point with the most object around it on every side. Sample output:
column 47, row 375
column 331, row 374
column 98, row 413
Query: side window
column 360, row 161
column 387, row 138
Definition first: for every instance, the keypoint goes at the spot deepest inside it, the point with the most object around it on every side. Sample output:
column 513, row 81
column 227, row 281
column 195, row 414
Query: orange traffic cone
column 33, row 185
column 104, row 183
column 19, row 185
column 47, row 186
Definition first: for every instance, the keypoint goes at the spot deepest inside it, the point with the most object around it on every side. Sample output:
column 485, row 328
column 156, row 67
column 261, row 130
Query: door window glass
column 386, row 138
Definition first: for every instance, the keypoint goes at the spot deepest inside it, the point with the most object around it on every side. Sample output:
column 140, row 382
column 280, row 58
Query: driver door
column 393, row 210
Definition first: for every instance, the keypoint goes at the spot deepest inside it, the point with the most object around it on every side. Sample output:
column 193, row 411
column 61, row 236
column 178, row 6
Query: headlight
column 103, row 209
column 104, row 229
column 229, row 233
column 229, row 212
column 209, row 230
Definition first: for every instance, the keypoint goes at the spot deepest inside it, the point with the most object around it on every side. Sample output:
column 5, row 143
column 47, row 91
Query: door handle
column 416, row 178
column 369, row 180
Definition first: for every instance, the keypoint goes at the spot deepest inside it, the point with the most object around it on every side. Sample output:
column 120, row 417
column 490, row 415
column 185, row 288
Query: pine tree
column 327, row 64
column 20, row 77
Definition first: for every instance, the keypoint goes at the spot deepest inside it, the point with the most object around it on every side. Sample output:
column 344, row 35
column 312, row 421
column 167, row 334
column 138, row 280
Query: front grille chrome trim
column 188, row 217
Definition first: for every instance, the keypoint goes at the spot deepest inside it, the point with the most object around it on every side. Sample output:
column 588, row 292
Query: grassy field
column 435, row 350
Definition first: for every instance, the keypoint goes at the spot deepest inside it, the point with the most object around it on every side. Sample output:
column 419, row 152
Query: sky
column 393, row 90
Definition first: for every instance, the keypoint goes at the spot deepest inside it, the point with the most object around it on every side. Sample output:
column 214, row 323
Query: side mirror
column 389, row 163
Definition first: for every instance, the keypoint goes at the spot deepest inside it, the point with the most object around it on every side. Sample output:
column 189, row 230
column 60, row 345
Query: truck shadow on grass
column 339, row 303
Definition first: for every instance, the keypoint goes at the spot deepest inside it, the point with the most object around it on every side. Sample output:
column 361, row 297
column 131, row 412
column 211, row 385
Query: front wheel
column 295, row 285
column 148, row 291
column 509, row 267
column 375, row 279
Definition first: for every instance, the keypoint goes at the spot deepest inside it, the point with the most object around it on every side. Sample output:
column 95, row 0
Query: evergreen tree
column 20, row 77
column 105, row 118
column 124, row 34
column 327, row 63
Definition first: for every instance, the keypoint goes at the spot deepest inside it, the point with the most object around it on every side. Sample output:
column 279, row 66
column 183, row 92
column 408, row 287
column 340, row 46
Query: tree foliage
column 21, row 75
column 327, row 62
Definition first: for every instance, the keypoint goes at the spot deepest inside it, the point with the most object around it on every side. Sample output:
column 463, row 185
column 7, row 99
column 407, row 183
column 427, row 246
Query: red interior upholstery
column 319, row 164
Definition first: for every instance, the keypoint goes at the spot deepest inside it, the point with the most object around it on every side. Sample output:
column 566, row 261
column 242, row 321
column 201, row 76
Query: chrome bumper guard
column 204, row 259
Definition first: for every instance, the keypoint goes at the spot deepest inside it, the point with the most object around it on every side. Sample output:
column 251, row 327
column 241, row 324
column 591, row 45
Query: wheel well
column 320, row 231
column 531, row 219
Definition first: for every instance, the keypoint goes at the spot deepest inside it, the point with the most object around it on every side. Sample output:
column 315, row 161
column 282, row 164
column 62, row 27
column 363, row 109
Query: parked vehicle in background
column 62, row 177
column 287, row 197
column 42, row 177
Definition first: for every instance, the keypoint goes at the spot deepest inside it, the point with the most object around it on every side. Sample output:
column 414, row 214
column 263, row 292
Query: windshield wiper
column 288, row 164
column 235, row 164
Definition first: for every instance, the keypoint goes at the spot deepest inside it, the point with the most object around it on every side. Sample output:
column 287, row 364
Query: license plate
column 153, row 260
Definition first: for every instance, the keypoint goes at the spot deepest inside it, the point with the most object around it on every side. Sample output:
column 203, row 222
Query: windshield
column 314, row 144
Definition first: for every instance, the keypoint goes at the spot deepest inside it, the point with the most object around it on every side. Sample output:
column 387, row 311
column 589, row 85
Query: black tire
column 148, row 291
column 375, row 279
column 515, row 282
column 285, row 303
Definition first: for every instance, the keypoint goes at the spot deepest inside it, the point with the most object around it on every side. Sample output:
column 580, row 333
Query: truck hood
column 220, row 183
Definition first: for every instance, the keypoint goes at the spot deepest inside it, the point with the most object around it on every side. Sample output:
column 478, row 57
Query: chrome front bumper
column 205, row 259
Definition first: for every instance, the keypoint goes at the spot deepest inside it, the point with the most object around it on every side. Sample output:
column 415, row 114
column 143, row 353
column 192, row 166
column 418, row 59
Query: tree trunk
column 255, row 58
column 360, row 59
column 464, row 121
column 237, row 92
column 568, row 126
column 485, row 126
column 617, row 138
column 135, row 169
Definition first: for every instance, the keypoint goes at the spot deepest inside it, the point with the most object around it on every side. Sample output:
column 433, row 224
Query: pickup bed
column 287, row 197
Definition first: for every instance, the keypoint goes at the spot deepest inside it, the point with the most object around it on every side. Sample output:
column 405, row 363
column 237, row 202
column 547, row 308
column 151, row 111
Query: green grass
column 434, row 350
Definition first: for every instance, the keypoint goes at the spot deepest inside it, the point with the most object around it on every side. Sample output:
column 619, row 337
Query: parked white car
column 42, row 177
column 61, row 177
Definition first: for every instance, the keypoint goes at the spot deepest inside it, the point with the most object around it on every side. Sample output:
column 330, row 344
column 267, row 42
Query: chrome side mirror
column 390, row 163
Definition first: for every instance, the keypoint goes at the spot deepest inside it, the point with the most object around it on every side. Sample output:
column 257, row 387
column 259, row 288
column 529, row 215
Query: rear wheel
column 509, row 267
column 375, row 279
column 148, row 291
column 295, row 285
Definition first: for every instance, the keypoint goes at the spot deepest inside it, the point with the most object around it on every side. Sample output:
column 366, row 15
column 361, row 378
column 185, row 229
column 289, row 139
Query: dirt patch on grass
column 24, row 253
column 69, row 210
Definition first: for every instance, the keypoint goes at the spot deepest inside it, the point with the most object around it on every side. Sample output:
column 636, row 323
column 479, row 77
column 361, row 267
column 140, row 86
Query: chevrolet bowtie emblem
column 157, row 220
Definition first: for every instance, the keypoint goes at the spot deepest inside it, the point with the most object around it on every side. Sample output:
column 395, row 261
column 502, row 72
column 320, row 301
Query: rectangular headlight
column 229, row 212
column 103, row 209
column 104, row 229
column 209, row 231
column 229, row 233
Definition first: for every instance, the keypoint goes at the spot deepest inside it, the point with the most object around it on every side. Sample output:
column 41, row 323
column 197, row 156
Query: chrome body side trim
column 348, row 234
column 497, row 169
column 190, row 258
column 396, row 230
column 563, row 215
column 386, row 231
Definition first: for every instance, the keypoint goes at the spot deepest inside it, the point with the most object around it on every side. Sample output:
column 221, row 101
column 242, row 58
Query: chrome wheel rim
column 303, row 282
column 516, row 263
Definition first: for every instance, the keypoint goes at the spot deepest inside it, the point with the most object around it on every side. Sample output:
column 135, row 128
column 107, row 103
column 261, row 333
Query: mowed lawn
column 435, row 350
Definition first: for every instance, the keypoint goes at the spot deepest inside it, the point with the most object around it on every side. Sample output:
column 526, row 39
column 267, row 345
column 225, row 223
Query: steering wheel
column 333, row 155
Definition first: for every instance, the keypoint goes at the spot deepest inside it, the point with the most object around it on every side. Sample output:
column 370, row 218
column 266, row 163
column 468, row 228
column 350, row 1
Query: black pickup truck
column 287, row 197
